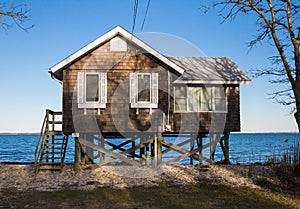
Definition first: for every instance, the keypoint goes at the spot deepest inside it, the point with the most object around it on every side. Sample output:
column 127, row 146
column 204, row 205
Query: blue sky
column 62, row 27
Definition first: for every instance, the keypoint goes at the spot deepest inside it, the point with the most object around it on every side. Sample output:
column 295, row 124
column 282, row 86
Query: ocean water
column 243, row 148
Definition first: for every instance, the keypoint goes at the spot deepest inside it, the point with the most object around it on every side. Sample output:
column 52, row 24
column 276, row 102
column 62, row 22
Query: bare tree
column 14, row 14
column 277, row 24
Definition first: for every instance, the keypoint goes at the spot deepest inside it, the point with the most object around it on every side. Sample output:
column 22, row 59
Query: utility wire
column 135, row 9
column 144, row 20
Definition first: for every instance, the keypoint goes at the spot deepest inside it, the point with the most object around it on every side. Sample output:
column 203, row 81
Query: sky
column 63, row 27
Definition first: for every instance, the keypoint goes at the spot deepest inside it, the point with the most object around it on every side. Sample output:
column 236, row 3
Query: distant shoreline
column 37, row 133
column 8, row 133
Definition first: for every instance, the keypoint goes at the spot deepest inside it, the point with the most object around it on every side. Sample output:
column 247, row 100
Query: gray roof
column 209, row 70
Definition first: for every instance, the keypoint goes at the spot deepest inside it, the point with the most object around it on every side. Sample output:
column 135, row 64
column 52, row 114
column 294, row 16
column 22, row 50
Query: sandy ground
column 23, row 177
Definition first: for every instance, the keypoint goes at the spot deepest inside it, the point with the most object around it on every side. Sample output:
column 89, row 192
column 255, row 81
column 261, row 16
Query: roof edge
column 115, row 31
column 211, row 82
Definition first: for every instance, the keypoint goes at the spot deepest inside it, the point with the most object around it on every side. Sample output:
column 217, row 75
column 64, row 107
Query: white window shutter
column 80, row 87
column 154, row 90
column 103, row 87
column 132, row 88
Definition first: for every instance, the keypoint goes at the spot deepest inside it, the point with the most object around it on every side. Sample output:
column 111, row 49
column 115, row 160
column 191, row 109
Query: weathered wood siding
column 118, row 116
column 211, row 122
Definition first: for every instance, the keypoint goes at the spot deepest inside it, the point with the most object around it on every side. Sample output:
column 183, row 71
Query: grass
column 203, row 195
column 288, row 163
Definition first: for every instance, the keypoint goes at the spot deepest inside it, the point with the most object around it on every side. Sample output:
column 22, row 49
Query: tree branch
column 17, row 14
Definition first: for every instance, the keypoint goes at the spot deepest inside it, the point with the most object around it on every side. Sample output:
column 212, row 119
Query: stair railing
column 41, row 140
column 48, row 129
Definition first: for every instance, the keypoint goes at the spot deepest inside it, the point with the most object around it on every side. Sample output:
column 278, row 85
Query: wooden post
column 77, row 154
column 47, row 137
column 147, row 154
column 200, row 144
column 142, row 150
column 159, row 146
column 192, row 144
column 52, row 137
column 132, row 145
column 212, row 151
column 226, row 142
column 89, row 152
column 101, row 155
column 152, row 148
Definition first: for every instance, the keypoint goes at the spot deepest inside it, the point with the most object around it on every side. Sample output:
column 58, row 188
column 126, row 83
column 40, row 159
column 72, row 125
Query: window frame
column 134, row 90
column 81, row 88
column 213, row 99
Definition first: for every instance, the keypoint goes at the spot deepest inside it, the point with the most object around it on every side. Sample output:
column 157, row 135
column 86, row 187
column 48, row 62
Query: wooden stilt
column 211, row 147
column 132, row 145
column 101, row 155
column 159, row 146
column 192, row 144
column 200, row 144
column 152, row 148
column 142, row 150
column 147, row 154
column 77, row 154
column 89, row 152
column 226, row 142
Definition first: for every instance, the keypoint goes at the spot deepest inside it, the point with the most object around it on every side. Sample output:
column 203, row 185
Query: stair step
column 58, row 146
column 48, row 167
column 50, row 163
column 54, row 153
column 54, row 133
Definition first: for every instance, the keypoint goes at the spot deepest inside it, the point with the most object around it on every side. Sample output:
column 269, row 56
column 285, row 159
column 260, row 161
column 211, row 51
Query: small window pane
column 144, row 88
column 206, row 99
column 220, row 104
column 219, row 92
column 180, row 99
column 92, row 88
column 220, row 99
column 194, row 98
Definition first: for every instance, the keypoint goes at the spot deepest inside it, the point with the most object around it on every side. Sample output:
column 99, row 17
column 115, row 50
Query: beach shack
column 123, row 101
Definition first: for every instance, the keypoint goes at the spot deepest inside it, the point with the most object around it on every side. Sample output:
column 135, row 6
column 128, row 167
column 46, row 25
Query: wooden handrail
column 48, row 128
column 37, row 150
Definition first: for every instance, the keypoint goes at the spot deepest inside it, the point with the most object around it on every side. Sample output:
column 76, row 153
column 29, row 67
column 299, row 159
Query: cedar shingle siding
column 118, row 66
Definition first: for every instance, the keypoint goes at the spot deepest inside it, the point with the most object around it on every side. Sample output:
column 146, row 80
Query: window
column 200, row 99
column 144, row 86
column 180, row 95
column 118, row 44
column 144, row 90
column 91, row 90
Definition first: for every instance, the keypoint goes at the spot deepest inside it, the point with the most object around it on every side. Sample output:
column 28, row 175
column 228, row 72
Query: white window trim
column 213, row 103
column 134, row 103
column 82, row 103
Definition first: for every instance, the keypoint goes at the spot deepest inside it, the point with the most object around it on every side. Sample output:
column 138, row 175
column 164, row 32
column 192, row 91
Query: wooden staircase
column 52, row 143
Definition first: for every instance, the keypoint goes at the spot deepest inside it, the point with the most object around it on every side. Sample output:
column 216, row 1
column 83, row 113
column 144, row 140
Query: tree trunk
column 297, row 100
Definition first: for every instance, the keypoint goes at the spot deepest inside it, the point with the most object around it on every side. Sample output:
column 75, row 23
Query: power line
column 135, row 9
column 144, row 20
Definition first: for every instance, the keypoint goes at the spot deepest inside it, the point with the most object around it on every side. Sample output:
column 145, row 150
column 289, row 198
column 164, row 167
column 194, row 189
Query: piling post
column 147, row 154
column 101, row 155
column 192, row 144
column 200, row 144
column 212, row 151
column 226, row 142
column 77, row 154
column 133, row 138
column 159, row 145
